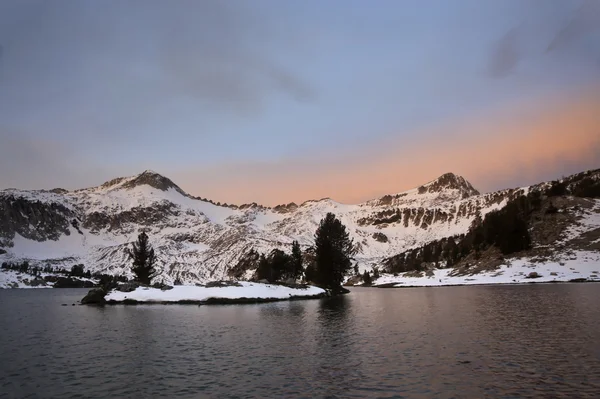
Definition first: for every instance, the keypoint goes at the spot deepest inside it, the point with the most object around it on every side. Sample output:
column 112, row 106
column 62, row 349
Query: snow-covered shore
column 241, row 292
column 581, row 265
column 15, row 279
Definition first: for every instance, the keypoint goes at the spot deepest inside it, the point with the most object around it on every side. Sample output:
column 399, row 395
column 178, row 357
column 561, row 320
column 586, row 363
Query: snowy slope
column 199, row 241
column 577, row 265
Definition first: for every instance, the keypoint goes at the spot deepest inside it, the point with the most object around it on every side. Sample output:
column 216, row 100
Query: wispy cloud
column 505, row 55
column 585, row 20
column 137, row 53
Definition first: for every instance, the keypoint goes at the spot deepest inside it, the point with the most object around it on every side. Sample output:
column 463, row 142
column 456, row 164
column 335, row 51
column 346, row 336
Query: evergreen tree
column 297, row 261
column 334, row 249
column 367, row 278
column 376, row 273
column 310, row 273
column 77, row 271
column 280, row 265
column 143, row 258
column 263, row 272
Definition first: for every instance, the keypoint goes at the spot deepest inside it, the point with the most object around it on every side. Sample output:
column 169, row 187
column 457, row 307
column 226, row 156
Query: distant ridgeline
column 509, row 230
column 445, row 223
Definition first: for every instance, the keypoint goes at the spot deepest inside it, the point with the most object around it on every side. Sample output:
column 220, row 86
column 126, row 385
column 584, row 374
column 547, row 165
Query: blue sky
column 211, row 92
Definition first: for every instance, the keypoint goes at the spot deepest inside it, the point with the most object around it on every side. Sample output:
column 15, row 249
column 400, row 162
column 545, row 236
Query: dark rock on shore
column 534, row 275
column 220, row 284
column 94, row 297
column 162, row 286
column 129, row 286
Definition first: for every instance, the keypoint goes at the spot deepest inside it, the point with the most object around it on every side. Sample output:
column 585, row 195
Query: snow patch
column 195, row 293
column 581, row 264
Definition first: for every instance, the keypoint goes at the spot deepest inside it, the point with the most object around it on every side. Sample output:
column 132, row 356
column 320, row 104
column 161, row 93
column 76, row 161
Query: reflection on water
column 453, row 342
column 335, row 342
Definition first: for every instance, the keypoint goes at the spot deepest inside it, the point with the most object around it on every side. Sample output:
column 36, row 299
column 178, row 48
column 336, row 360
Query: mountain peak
column 147, row 177
column 152, row 179
column 449, row 181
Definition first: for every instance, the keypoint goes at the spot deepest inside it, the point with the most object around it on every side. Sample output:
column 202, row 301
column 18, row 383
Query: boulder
column 222, row 284
column 162, row 286
column 379, row 236
column 534, row 275
column 94, row 297
column 129, row 286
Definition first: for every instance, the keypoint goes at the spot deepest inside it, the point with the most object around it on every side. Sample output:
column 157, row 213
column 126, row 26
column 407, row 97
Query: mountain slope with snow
column 198, row 241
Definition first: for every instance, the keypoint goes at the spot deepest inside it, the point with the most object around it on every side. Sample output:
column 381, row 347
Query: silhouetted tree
column 108, row 282
column 280, row 265
column 375, row 273
column 334, row 249
column 297, row 267
column 143, row 258
column 557, row 188
column 263, row 271
column 77, row 271
column 587, row 187
column 367, row 278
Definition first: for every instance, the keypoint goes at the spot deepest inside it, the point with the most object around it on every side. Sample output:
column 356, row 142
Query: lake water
column 452, row 342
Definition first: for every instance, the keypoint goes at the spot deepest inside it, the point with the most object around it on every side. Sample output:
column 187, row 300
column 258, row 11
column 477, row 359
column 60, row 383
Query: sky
column 275, row 101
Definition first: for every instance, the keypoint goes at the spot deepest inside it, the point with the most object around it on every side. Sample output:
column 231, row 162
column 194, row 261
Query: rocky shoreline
column 216, row 301
column 214, row 293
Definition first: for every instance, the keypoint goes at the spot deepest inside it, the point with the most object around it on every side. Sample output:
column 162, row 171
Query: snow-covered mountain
column 197, row 240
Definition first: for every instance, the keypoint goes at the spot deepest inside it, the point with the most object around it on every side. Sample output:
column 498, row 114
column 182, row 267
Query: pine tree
column 143, row 258
column 376, row 273
column 280, row 265
column 263, row 272
column 297, row 267
column 334, row 249
column 367, row 278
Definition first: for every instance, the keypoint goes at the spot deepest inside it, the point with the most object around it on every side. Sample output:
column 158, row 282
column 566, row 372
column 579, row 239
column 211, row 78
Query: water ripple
column 455, row 342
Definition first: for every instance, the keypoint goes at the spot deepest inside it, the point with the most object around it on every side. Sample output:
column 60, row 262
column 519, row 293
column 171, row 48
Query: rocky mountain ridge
column 198, row 240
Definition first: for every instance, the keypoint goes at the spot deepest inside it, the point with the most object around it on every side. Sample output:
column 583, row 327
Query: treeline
column 280, row 266
column 75, row 271
column 325, row 263
column 506, row 229
column 25, row 267
column 582, row 185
